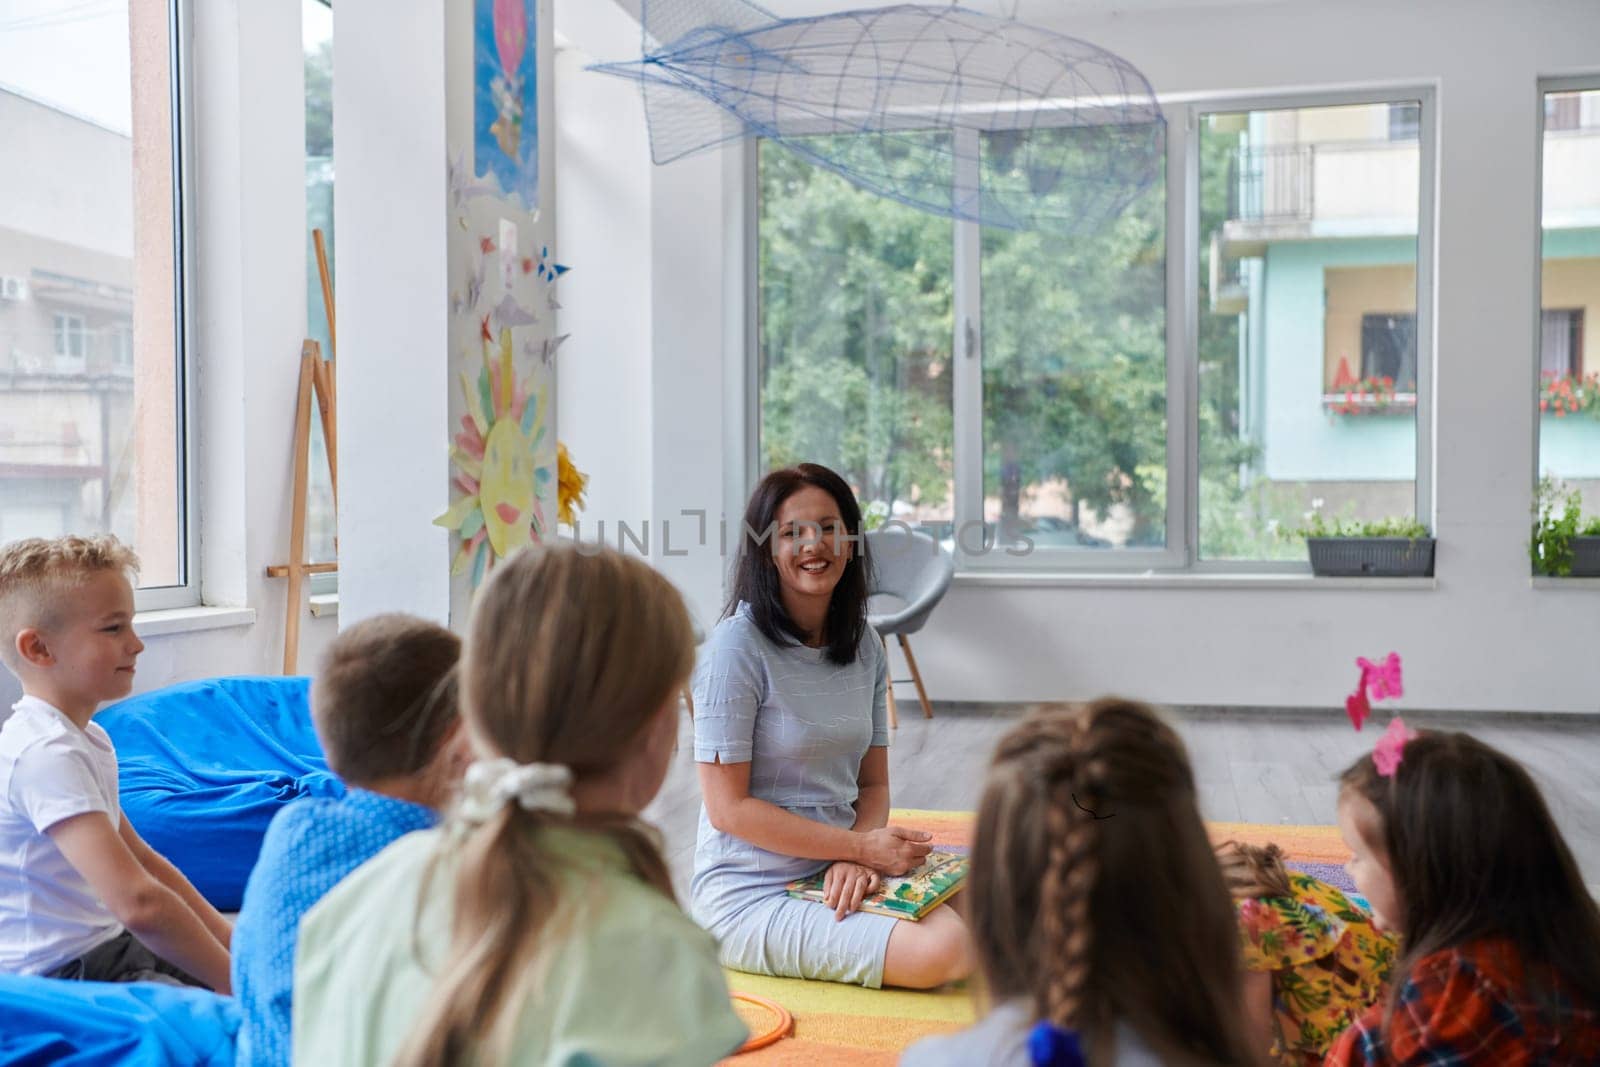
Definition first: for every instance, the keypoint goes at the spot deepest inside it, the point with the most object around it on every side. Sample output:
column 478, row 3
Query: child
column 1458, row 854
column 384, row 707
column 1313, row 960
column 81, row 894
column 539, row 926
column 1104, row 932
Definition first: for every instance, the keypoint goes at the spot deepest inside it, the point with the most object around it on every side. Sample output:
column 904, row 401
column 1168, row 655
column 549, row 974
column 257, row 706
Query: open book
column 907, row 896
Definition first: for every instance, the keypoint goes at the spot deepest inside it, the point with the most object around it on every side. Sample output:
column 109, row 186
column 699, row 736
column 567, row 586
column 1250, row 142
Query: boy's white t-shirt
column 49, row 771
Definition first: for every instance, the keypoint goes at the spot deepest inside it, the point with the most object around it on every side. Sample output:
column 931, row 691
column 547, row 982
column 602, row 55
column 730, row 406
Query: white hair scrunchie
column 491, row 784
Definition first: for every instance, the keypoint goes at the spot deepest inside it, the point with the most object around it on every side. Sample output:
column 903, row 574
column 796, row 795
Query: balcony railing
column 1345, row 180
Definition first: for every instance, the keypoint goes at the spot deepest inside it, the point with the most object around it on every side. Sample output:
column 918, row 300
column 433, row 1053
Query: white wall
column 390, row 203
column 1484, row 638
column 604, row 232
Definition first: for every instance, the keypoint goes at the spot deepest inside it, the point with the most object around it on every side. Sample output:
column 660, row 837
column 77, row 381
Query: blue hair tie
column 1051, row 1046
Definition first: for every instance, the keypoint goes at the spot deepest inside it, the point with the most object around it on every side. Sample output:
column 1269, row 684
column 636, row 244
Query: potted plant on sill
column 1563, row 545
column 1389, row 548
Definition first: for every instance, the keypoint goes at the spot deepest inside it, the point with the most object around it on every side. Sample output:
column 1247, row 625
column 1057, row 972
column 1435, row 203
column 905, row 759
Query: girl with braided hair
column 1104, row 931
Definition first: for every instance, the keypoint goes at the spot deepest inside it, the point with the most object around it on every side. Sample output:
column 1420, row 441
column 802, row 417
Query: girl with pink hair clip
column 1454, row 847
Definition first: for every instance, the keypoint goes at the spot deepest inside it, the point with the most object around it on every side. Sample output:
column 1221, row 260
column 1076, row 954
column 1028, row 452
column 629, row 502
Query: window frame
column 1180, row 556
column 185, row 594
column 1427, row 162
column 69, row 326
column 1580, row 83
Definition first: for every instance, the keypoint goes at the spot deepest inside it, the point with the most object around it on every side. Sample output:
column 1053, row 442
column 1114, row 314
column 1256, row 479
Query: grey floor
column 1253, row 765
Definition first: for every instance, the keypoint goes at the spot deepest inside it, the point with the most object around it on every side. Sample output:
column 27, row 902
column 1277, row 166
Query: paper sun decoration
column 495, row 458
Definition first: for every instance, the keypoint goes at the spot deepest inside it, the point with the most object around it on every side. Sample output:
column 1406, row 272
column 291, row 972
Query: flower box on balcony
column 1380, row 403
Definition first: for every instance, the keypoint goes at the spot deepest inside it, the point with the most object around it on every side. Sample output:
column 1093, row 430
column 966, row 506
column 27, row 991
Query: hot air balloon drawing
column 951, row 110
column 506, row 100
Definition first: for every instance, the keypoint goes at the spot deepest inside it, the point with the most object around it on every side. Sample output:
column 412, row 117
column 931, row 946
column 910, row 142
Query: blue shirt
column 309, row 848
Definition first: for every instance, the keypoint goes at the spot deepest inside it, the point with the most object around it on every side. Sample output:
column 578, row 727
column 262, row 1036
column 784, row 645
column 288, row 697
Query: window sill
column 325, row 605
column 190, row 620
column 1210, row 582
column 1546, row 582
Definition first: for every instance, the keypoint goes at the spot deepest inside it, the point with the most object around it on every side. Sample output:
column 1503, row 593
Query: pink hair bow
column 1391, row 747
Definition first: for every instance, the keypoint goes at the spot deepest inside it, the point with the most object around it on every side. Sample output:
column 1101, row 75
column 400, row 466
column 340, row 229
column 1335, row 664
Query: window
column 1075, row 385
column 91, row 324
column 1561, row 343
column 1563, row 111
column 1569, row 283
column 1311, row 351
column 870, row 337
column 1025, row 395
column 119, row 341
column 71, row 343
column 1389, row 349
column 1404, row 121
column 316, row 34
column 854, row 361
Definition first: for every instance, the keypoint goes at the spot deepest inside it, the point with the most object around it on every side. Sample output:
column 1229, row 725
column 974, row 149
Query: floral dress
column 1329, row 964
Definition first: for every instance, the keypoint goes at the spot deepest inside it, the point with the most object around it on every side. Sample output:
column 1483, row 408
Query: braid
column 1072, row 869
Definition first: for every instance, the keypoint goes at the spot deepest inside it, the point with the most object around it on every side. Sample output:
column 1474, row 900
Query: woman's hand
column 894, row 849
column 846, row 885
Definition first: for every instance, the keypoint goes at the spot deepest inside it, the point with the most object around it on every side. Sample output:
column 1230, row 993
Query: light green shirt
column 627, row 979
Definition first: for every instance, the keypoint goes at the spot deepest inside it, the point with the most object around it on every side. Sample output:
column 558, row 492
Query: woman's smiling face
column 810, row 543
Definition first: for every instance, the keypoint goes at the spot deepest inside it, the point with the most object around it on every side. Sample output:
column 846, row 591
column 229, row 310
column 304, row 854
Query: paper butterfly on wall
column 496, row 456
column 1380, row 681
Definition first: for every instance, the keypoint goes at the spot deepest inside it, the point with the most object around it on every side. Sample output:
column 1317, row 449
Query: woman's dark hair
column 1474, row 853
column 755, row 575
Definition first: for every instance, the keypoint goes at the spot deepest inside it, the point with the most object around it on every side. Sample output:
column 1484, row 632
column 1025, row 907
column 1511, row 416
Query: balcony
column 1571, row 193
column 1297, row 192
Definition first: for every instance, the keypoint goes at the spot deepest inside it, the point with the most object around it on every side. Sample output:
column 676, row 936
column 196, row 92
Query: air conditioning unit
column 13, row 288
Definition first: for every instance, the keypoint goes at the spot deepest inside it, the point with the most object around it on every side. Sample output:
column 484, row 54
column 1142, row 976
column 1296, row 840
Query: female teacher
column 791, row 738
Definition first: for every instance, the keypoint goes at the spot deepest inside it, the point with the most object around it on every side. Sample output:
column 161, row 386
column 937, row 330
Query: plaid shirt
column 1471, row 1005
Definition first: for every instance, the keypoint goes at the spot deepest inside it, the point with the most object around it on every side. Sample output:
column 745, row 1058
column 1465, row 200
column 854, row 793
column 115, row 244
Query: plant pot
column 1372, row 557
column 1586, row 557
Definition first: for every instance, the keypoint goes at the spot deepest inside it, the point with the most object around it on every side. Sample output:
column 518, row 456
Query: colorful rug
column 855, row 1027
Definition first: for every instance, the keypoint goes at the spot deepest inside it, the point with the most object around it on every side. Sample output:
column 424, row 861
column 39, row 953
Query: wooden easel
column 316, row 381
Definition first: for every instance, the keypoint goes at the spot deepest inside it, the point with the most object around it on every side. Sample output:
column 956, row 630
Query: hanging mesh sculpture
column 952, row 111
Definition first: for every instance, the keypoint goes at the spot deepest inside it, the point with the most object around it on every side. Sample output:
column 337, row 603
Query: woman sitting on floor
column 791, row 737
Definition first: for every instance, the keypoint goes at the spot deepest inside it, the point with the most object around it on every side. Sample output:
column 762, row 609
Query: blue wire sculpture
column 950, row 110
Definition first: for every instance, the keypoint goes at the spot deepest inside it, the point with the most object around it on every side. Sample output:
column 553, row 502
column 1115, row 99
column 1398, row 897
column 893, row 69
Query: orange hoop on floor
column 769, row 1023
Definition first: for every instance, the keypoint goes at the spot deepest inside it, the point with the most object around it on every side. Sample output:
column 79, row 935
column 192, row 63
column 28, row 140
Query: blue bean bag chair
column 89, row 1024
column 204, row 766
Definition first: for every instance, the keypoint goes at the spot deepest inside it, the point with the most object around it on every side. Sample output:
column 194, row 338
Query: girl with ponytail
column 538, row 925
column 1104, row 931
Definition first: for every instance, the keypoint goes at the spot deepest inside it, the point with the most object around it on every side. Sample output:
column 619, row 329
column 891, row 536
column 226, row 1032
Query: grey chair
column 912, row 572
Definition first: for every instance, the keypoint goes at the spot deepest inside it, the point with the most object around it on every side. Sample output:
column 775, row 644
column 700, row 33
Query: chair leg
column 894, row 713
column 916, row 676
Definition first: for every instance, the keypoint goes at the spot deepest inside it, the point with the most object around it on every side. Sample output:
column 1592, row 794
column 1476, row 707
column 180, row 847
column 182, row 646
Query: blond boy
column 81, row 894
